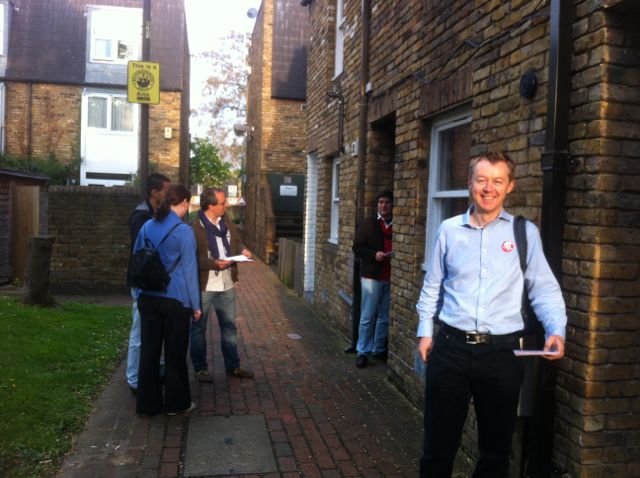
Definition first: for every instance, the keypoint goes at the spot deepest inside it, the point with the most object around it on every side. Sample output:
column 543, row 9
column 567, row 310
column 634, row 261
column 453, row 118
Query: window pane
column 124, row 50
column 453, row 206
column 121, row 115
column 116, row 33
column 102, row 48
column 336, row 181
column 97, row 112
column 455, row 146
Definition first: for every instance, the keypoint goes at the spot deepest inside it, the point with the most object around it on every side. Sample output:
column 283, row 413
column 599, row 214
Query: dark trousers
column 165, row 321
column 456, row 372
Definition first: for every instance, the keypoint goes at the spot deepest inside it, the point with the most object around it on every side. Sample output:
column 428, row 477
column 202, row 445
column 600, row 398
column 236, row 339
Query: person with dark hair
column 373, row 247
column 216, row 241
column 474, row 288
column 156, row 188
column 165, row 315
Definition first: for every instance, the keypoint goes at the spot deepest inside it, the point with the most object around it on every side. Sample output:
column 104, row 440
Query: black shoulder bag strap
column 520, row 235
column 175, row 263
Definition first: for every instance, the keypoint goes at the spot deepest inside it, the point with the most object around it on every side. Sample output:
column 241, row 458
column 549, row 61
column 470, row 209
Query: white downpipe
column 310, row 214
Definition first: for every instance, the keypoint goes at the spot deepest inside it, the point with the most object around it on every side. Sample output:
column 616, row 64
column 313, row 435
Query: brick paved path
column 325, row 417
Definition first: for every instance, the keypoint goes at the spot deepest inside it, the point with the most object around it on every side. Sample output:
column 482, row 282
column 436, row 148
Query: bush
column 57, row 171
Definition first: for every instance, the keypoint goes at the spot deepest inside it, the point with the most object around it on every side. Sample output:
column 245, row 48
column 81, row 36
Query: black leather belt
column 478, row 338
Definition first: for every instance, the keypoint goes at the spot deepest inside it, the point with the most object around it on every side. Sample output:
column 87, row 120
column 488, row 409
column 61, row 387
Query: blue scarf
column 213, row 232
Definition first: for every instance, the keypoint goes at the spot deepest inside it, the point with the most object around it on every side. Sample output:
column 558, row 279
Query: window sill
column 330, row 248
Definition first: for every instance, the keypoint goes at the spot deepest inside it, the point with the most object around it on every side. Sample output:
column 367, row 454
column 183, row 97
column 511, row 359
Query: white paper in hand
column 239, row 258
column 529, row 353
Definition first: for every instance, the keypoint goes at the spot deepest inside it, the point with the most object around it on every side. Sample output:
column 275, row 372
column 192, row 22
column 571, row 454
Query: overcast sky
column 207, row 22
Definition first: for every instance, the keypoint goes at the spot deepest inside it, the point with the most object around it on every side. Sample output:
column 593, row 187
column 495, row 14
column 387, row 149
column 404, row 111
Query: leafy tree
column 226, row 92
column 207, row 167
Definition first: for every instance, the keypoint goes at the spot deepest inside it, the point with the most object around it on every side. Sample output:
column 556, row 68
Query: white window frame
column 341, row 25
column 108, row 129
column 435, row 214
column 335, row 202
column 114, row 35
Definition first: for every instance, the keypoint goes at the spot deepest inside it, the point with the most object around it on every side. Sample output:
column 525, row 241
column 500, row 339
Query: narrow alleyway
column 323, row 417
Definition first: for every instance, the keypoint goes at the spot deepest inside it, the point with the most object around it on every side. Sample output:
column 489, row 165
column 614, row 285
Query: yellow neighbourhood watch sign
column 143, row 84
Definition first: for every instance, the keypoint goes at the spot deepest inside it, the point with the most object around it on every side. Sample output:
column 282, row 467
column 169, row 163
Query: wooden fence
column 291, row 264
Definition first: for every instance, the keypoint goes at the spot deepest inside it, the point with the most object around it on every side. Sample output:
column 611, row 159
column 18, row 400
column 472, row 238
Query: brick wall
column 276, row 142
column 166, row 152
column 55, row 120
column 598, row 419
column 90, row 225
column 430, row 57
column 55, row 124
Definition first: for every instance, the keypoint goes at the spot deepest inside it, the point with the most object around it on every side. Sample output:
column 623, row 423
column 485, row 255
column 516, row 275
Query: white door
column 109, row 142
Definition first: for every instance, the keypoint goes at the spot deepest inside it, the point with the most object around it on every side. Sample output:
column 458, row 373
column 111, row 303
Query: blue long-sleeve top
column 184, row 285
column 475, row 281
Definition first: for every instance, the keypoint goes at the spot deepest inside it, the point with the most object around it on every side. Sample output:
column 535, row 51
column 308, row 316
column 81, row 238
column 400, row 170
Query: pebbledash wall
column 91, row 249
column 428, row 59
column 44, row 119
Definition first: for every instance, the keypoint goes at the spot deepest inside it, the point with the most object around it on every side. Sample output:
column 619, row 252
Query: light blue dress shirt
column 475, row 282
column 184, row 285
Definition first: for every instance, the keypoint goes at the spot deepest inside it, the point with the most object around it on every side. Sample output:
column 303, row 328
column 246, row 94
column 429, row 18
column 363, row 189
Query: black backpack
column 531, row 324
column 147, row 270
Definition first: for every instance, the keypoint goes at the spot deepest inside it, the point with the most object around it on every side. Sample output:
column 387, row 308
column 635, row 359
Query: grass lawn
column 53, row 364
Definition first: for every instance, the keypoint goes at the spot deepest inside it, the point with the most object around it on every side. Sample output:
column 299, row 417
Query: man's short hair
column 387, row 193
column 209, row 197
column 493, row 157
column 155, row 181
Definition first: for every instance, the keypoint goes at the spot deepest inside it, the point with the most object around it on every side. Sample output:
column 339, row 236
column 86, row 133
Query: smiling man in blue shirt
column 473, row 286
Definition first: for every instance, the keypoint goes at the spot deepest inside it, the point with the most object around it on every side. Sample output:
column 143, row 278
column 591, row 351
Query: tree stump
column 38, row 271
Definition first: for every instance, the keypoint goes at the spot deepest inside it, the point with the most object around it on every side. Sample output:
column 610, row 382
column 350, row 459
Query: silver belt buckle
column 471, row 338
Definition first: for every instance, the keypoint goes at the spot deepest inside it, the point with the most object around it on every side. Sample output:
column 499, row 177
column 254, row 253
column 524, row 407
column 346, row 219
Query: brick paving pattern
column 325, row 417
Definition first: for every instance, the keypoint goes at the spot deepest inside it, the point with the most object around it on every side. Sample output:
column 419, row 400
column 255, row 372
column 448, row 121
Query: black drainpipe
column 362, row 152
column 555, row 160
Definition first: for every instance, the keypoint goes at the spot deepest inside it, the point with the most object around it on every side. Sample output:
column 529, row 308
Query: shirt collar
column 385, row 222
column 466, row 217
column 216, row 222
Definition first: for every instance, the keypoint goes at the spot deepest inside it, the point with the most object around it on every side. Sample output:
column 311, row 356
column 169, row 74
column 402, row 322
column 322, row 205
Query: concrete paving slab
column 228, row 445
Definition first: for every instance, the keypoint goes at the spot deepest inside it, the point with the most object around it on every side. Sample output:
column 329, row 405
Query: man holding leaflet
column 217, row 242
column 473, row 286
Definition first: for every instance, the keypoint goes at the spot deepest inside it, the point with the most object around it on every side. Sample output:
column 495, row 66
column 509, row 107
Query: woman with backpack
column 166, row 310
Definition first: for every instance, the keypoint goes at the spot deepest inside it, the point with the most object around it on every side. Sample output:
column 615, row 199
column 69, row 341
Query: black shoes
column 189, row 409
column 361, row 361
column 203, row 376
column 240, row 373
column 382, row 356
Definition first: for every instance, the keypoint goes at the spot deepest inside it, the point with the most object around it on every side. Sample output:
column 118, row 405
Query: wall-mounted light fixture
column 528, row 84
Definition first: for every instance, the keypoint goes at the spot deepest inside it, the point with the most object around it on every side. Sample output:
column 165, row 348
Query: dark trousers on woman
column 163, row 320
column 457, row 372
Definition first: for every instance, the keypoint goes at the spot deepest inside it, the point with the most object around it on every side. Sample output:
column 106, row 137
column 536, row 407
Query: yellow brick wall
column 423, row 62
column 55, row 124
column 276, row 143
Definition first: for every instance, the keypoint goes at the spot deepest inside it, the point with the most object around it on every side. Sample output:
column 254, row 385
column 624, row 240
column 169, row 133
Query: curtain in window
column 97, row 112
column 121, row 115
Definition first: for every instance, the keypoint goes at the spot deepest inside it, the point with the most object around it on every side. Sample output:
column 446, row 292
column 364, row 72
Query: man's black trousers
column 456, row 372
